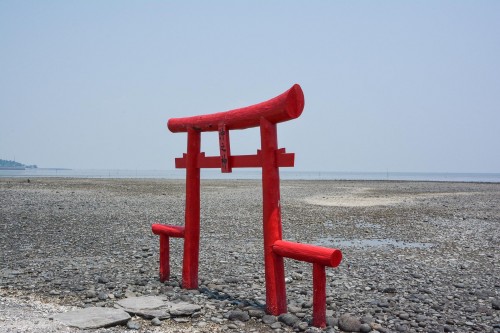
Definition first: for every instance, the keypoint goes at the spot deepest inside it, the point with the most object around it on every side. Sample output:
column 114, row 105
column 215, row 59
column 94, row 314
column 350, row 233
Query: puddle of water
column 388, row 242
column 329, row 224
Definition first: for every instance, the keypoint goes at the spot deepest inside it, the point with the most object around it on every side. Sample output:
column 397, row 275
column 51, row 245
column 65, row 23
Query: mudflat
column 417, row 256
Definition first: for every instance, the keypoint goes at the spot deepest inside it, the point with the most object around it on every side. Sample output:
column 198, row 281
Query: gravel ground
column 418, row 256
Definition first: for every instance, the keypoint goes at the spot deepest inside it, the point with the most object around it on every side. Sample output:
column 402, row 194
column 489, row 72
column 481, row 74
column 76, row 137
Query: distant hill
column 6, row 164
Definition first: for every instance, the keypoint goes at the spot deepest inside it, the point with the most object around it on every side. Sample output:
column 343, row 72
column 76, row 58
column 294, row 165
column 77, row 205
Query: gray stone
column 93, row 317
column 365, row 328
column 307, row 305
column 495, row 304
column 102, row 296
column 156, row 322
column 332, row 322
column 102, row 280
column 302, row 326
column 349, row 323
column 401, row 328
column 404, row 316
column 256, row 313
column 383, row 304
column 269, row 319
column 238, row 315
column 275, row 325
column 389, row 290
column 133, row 325
column 288, row 319
column 217, row 320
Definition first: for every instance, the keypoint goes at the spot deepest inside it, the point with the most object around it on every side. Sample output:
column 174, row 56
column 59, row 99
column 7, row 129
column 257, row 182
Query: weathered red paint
column 274, row 266
column 319, row 295
column 192, row 213
column 284, row 107
column 169, row 230
column 266, row 115
column 309, row 253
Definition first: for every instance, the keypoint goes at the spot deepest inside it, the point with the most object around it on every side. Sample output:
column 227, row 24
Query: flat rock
column 93, row 317
column 182, row 308
column 156, row 306
column 145, row 306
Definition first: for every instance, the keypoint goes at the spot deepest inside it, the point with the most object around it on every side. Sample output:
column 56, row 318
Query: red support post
column 310, row 253
column 165, row 232
column 319, row 295
column 274, row 265
column 192, row 212
column 164, row 258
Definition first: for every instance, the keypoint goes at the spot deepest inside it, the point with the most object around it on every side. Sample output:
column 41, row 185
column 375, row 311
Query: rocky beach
column 417, row 256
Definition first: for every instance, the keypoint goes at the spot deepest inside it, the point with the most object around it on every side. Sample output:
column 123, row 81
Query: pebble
column 288, row 319
column 365, row 328
column 156, row 322
column 349, row 323
column 102, row 296
column 133, row 325
column 269, row 319
column 103, row 280
column 404, row 316
column 302, row 326
column 238, row 315
column 256, row 313
column 275, row 325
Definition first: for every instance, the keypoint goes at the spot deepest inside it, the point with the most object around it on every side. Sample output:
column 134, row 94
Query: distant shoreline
column 252, row 174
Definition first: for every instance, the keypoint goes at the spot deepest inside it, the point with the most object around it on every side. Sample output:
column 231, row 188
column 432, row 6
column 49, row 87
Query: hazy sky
column 388, row 85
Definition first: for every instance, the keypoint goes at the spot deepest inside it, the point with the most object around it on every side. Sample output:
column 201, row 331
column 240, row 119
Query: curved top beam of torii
column 287, row 106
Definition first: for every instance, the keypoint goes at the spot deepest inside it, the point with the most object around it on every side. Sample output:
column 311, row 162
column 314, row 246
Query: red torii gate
column 266, row 115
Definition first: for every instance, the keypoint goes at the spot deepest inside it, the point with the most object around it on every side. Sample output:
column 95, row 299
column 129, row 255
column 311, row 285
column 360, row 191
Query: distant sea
column 253, row 174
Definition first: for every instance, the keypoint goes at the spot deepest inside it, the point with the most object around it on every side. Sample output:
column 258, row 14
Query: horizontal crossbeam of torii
column 266, row 115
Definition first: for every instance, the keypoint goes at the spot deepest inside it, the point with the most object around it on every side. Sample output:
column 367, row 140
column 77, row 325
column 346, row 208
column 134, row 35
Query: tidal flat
column 417, row 256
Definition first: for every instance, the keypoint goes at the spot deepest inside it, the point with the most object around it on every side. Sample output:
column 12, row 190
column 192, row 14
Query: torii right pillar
column 274, row 264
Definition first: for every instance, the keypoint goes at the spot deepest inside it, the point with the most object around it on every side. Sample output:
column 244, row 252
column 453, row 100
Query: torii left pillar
column 192, row 212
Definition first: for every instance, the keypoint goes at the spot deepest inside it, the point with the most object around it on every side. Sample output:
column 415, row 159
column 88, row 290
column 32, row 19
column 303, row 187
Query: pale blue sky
column 388, row 85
